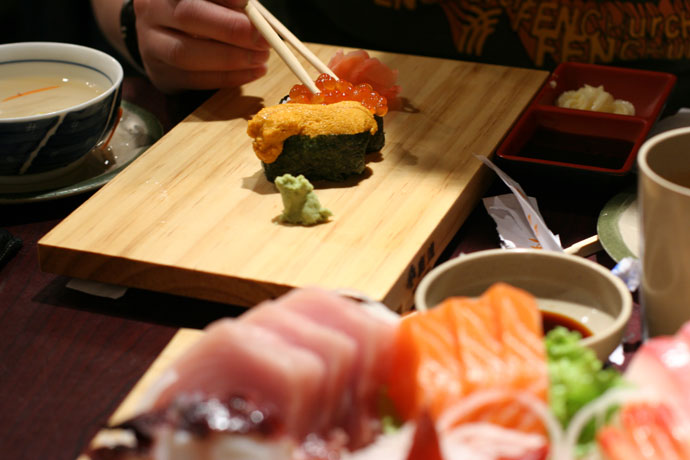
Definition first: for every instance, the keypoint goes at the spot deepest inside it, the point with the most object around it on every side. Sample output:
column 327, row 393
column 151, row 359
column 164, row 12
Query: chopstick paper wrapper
column 519, row 222
column 520, row 225
column 514, row 229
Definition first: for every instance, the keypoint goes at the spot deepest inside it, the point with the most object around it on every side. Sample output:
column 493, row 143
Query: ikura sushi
column 326, row 135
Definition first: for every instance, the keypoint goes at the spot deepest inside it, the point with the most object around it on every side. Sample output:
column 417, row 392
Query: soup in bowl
column 57, row 101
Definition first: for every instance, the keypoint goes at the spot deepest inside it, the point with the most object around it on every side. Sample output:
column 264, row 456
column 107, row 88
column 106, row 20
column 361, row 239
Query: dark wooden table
column 67, row 359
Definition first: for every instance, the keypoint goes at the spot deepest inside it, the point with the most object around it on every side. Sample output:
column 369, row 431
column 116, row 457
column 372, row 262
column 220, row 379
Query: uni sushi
column 326, row 135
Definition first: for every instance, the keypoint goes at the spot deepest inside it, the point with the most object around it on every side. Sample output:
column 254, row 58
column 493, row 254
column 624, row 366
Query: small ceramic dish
column 564, row 285
column 618, row 226
column 551, row 138
column 57, row 101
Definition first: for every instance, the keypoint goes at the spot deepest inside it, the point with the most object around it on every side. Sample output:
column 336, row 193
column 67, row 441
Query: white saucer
column 618, row 226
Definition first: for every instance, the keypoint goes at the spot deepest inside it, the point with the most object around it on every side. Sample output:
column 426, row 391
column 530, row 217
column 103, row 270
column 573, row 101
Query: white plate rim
column 607, row 225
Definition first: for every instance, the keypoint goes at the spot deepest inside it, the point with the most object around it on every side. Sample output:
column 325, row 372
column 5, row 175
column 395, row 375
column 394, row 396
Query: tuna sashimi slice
column 336, row 350
column 663, row 365
column 373, row 337
column 236, row 358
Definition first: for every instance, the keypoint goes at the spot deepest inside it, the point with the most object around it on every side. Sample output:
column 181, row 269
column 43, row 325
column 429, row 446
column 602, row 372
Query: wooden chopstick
column 281, row 48
column 585, row 248
column 260, row 17
column 293, row 40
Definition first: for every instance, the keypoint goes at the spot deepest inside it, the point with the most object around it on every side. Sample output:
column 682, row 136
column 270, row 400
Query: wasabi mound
column 300, row 203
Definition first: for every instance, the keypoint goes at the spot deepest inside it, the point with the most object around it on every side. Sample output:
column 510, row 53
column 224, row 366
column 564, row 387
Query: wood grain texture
column 193, row 216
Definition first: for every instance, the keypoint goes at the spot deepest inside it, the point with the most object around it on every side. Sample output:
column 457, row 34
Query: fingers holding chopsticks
column 199, row 44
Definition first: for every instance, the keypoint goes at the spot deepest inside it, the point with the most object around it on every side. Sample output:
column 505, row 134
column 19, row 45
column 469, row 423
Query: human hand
column 199, row 44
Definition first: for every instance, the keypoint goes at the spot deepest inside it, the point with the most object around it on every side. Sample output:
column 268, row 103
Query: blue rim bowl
column 51, row 142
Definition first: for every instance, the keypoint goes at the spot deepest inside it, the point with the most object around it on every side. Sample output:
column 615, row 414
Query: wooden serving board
column 193, row 216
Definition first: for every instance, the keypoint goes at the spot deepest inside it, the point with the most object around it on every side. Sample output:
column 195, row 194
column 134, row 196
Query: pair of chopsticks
column 272, row 29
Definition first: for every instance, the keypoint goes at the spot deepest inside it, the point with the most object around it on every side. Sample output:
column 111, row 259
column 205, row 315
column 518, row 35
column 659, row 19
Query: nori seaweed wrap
column 332, row 157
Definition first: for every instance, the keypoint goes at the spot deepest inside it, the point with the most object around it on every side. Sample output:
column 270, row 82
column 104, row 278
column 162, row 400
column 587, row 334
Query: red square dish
column 603, row 143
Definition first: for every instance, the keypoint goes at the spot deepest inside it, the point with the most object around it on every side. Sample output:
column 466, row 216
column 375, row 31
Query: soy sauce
column 554, row 145
column 551, row 320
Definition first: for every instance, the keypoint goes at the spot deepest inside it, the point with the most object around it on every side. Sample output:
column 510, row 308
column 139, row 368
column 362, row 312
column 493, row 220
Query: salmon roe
column 333, row 90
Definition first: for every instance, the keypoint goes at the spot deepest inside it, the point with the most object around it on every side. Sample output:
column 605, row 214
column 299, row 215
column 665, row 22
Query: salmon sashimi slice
column 238, row 359
column 467, row 346
column 523, row 353
column 478, row 341
column 426, row 374
column 336, row 350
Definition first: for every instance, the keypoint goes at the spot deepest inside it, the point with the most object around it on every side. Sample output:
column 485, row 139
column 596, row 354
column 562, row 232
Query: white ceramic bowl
column 569, row 285
column 55, row 139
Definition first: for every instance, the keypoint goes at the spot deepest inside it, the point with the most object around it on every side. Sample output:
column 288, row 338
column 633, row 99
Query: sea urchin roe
column 333, row 91
column 272, row 125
